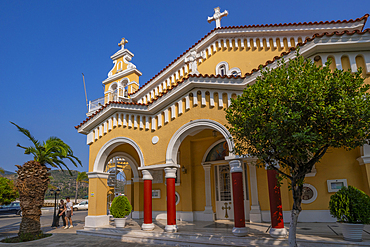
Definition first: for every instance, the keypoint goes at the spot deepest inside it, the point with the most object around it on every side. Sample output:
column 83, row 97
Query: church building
column 163, row 143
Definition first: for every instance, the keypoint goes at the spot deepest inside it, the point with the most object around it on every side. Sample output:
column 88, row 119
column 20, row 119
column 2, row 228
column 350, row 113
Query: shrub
column 121, row 207
column 350, row 205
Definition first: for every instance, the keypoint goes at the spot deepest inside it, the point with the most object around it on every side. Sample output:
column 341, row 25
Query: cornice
column 121, row 53
column 121, row 74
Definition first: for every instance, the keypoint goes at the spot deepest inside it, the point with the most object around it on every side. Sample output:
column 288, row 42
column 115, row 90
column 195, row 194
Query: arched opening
column 118, row 158
column 191, row 128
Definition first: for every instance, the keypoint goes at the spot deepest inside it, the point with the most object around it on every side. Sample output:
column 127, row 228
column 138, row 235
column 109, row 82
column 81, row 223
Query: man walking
column 69, row 213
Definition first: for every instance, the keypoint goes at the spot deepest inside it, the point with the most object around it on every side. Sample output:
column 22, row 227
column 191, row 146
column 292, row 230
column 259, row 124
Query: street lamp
column 56, row 192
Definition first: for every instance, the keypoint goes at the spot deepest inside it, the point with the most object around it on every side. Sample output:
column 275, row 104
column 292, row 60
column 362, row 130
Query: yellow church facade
column 168, row 137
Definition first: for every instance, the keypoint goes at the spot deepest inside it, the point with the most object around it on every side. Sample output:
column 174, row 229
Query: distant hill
column 8, row 173
column 62, row 180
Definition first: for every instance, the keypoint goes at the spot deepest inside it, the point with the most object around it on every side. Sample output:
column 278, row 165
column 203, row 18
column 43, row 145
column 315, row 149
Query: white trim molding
column 314, row 196
column 92, row 222
column 103, row 175
column 108, row 147
column 187, row 129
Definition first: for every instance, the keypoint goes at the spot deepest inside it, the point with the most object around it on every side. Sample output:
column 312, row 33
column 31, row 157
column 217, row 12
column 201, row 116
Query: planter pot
column 351, row 232
column 120, row 222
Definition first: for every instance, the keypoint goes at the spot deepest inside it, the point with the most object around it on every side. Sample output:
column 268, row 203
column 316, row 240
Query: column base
column 147, row 227
column 278, row 232
column 171, row 228
column 240, row 231
column 255, row 214
column 96, row 221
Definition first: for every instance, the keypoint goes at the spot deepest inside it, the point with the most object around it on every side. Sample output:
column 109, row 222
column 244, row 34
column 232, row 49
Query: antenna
column 87, row 105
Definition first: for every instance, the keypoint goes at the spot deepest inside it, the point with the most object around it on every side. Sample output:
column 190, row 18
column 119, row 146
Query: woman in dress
column 61, row 213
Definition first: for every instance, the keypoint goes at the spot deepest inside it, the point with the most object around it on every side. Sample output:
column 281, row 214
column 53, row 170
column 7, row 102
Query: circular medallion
column 309, row 193
column 155, row 139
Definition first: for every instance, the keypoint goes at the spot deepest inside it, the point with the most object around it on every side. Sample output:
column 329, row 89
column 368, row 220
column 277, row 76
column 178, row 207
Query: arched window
column 222, row 70
column 218, row 152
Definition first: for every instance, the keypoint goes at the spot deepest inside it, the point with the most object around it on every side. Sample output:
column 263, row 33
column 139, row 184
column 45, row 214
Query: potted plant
column 120, row 208
column 351, row 207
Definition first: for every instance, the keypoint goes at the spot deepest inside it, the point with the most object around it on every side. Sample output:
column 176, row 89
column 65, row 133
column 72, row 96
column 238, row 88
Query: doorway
column 223, row 192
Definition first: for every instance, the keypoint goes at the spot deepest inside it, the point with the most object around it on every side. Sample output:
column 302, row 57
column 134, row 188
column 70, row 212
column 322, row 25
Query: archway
column 191, row 127
column 105, row 151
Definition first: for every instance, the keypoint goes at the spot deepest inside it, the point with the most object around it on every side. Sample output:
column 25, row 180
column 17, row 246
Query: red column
column 148, row 201
column 276, row 209
column 171, row 200
column 148, row 222
column 238, row 198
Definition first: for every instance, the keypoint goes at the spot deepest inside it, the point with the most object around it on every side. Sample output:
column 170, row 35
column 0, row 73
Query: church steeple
column 123, row 78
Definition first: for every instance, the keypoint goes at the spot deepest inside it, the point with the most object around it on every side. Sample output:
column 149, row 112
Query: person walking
column 69, row 213
column 61, row 213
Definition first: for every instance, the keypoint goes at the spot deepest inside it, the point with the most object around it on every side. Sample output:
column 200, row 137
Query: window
column 336, row 184
column 309, row 193
column 222, row 70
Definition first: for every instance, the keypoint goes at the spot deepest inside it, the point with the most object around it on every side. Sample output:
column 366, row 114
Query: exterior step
column 179, row 239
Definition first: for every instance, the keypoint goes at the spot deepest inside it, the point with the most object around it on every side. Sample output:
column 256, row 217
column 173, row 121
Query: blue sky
column 46, row 45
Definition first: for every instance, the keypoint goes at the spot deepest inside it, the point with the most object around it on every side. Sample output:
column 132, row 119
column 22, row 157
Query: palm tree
column 33, row 177
column 81, row 178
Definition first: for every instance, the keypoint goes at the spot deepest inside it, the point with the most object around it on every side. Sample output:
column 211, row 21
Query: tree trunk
column 76, row 192
column 297, row 198
column 32, row 183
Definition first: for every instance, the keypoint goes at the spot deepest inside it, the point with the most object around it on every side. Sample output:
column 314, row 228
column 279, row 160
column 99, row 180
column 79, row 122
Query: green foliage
column 8, row 192
column 51, row 152
column 121, row 207
column 350, row 205
column 66, row 183
column 2, row 171
column 82, row 177
column 294, row 113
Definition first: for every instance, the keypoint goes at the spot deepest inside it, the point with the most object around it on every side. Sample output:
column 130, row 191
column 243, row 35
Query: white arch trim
column 131, row 161
column 210, row 148
column 193, row 126
column 105, row 150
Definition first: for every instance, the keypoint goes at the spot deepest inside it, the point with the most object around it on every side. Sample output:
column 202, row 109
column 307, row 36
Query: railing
column 116, row 95
column 96, row 104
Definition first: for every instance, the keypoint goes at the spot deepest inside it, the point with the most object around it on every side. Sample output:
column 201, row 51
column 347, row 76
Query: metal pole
column 55, row 207
column 87, row 105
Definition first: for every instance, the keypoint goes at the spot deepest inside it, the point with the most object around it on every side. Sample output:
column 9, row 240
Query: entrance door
column 224, row 203
column 224, row 200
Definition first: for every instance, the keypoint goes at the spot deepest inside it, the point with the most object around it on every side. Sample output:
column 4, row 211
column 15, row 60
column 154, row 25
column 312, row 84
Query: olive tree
column 292, row 114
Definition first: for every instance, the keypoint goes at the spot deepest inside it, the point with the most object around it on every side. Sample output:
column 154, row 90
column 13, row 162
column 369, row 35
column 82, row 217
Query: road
column 9, row 224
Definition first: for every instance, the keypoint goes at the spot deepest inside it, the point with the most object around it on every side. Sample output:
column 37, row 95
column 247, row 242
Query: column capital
column 103, row 175
column 206, row 166
column 147, row 175
column 170, row 172
column 236, row 166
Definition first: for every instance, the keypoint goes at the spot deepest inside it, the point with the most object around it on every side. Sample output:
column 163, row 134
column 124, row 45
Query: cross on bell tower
column 122, row 43
column 217, row 16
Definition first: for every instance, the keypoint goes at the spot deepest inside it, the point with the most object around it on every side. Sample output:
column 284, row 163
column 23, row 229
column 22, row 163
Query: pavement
column 190, row 234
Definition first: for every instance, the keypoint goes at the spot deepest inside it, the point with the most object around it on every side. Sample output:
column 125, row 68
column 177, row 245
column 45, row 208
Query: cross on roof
column 122, row 43
column 217, row 17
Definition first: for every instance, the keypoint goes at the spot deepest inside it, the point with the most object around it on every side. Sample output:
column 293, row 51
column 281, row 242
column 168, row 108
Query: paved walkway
column 191, row 234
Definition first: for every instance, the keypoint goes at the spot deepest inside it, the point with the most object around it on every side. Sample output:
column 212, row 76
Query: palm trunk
column 76, row 192
column 32, row 183
column 297, row 197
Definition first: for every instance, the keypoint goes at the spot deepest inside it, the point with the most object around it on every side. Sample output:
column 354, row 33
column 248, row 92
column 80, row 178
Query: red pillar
column 238, row 198
column 148, row 222
column 171, row 200
column 276, row 209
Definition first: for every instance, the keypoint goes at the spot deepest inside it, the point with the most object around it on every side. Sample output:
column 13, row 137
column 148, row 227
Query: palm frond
column 28, row 134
